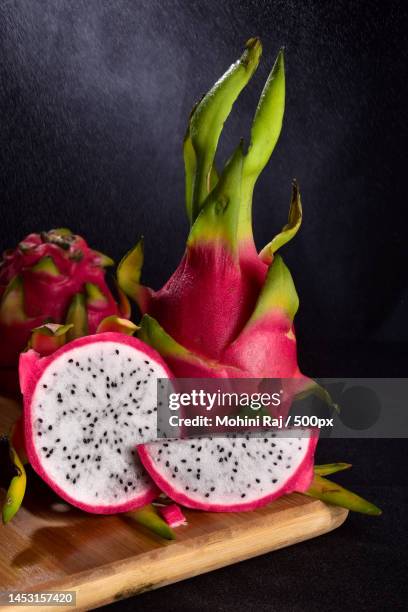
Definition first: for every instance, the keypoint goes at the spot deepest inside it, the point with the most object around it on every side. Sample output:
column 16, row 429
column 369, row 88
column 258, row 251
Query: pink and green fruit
column 228, row 310
column 52, row 277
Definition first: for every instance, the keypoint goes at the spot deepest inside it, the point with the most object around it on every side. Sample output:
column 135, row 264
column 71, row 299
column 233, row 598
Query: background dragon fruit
column 227, row 310
column 53, row 276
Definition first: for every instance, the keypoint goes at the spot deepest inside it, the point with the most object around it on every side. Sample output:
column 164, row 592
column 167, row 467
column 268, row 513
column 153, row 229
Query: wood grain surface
column 50, row 545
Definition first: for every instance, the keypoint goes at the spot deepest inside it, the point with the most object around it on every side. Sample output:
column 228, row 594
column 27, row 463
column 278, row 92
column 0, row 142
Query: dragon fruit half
column 227, row 311
column 86, row 406
column 51, row 277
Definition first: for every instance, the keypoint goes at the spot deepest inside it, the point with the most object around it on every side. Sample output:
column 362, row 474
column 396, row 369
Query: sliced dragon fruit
column 85, row 407
column 173, row 515
column 230, row 474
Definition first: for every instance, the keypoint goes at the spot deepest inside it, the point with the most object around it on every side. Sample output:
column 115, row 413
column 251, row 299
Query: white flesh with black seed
column 230, row 473
column 91, row 407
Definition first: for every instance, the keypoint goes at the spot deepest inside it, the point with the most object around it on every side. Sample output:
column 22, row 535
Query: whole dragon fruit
column 227, row 310
column 52, row 277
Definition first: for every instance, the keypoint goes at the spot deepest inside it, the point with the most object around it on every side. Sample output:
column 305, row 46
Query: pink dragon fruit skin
column 227, row 311
column 39, row 280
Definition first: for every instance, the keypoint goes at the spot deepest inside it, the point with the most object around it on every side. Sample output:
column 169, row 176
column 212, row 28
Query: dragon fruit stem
column 289, row 230
column 207, row 121
column 265, row 131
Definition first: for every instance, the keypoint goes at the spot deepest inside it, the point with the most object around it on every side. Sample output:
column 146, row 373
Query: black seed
column 243, row 494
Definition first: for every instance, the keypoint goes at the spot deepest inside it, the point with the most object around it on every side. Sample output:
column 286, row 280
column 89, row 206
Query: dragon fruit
column 86, row 406
column 230, row 474
column 227, row 311
column 51, row 277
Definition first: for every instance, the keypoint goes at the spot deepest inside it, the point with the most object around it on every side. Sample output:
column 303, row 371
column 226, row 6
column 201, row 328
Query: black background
column 94, row 100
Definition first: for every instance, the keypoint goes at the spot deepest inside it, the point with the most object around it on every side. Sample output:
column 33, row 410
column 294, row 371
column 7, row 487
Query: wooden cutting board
column 52, row 546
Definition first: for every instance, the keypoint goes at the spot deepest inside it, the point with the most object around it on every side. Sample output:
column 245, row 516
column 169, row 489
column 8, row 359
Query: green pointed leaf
column 77, row 317
column 12, row 303
column 278, row 292
column 289, row 230
column 125, row 309
column 265, row 132
column 267, row 123
column 16, row 490
column 190, row 168
column 116, row 324
column 207, row 121
column 128, row 275
column 218, row 219
column 94, row 295
column 153, row 334
column 331, row 468
column 311, row 387
column 333, row 493
column 46, row 265
column 150, row 518
column 104, row 260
